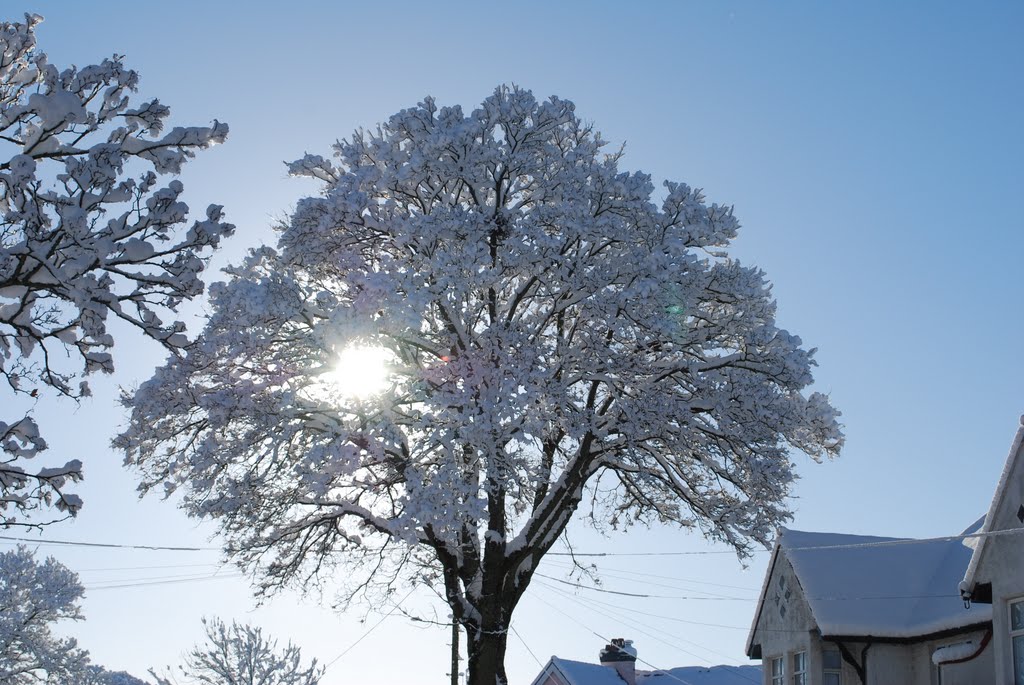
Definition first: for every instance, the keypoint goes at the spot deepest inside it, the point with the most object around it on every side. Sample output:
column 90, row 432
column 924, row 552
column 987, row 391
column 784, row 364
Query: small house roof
column 581, row 673
column 702, row 675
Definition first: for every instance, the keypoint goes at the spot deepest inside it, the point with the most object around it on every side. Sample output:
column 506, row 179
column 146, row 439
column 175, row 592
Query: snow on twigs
column 80, row 242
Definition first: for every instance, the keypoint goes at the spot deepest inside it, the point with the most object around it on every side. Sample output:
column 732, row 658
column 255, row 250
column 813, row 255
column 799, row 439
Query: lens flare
column 360, row 372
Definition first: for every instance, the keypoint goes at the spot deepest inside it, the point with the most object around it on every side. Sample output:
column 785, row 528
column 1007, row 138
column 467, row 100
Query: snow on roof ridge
column 967, row 584
column 867, row 539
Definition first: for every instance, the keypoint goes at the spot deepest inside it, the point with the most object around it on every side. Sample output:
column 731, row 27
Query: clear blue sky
column 872, row 150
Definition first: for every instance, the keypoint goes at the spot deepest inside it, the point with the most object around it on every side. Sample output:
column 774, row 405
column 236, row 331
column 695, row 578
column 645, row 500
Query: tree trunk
column 486, row 656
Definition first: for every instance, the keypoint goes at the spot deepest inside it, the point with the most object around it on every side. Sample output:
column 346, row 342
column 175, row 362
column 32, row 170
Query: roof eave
column 924, row 637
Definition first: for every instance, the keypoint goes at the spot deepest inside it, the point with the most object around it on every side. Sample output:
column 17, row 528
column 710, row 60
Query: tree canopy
column 242, row 655
column 81, row 242
column 556, row 332
column 34, row 596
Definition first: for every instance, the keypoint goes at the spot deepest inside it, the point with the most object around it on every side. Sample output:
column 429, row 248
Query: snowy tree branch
column 79, row 241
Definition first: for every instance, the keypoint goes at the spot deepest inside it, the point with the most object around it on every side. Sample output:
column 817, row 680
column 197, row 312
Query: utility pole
column 455, row 652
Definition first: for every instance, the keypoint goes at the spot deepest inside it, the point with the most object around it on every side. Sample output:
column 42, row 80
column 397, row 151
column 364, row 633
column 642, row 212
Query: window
column 778, row 671
column 831, row 667
column 1017, row 638
column 800, row 668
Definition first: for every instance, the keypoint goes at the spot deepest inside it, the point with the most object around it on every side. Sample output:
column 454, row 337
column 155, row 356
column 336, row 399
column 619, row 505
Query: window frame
column 780, row 677
column 827, row 670
column 800, row 667
column 1015, row 633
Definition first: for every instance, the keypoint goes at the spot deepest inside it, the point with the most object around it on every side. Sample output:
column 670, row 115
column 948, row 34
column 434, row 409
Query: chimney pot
column 620, row 654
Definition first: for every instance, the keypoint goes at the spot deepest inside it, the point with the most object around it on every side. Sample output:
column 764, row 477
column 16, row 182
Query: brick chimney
column 621, row 655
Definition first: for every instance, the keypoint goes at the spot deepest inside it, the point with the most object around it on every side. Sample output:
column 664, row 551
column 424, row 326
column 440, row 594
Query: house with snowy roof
column 850, row 609
column 995, row 574
column 618, row 667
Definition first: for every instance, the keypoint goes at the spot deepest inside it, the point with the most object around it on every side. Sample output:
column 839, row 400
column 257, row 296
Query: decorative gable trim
column 753, row 651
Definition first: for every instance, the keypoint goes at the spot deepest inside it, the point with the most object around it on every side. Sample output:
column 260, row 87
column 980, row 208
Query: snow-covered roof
column 702, row 675
column 894, row 588
column 582, row 673
column 967, row 586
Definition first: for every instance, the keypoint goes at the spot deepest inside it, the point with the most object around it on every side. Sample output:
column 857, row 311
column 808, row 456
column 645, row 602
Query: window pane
column 800, row 662
column 830, row 658
column 831, row 679
column 1018, row 660
column 1017, row 616
column 800, row 679
column 777, row 666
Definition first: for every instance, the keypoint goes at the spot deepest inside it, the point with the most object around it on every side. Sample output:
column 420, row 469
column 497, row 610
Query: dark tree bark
column 487, row 658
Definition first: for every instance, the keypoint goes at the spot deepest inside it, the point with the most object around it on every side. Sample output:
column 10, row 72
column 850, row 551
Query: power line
column 362, row 637
column 516, row 633
column 608, row 641
column 852, row 545
column 643, row 595
column 192, row 579
column 622, row 619
column 148, row 579
column 142, row 568
column 76, row 543
column 605, row 570
column 808, row 548
column 744, row 599
column 626, row 576
column 633, row 610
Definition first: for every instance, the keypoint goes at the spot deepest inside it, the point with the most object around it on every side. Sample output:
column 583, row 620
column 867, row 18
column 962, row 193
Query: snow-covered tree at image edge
column 241, row 655
column 35, row 597
column 80, row 244
column 551, row 337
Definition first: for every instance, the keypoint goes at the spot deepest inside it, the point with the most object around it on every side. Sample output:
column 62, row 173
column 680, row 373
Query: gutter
column 981, row 648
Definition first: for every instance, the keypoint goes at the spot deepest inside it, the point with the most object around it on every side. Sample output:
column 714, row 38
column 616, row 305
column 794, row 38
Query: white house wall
column 911, row 663
column 785, row 625
column 888, row 664
column 974, row 672
column 1002, row 565
column 1007, row 585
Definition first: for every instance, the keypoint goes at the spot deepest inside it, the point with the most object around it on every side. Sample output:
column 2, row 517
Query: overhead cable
column 78, row 543
column 623, row 619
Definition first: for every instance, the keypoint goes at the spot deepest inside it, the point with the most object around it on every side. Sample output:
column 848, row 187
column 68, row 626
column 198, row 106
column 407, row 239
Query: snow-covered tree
column 97, row 675
column 551, row 337
column 242, row 655
column 80, row 242
column 33, row 597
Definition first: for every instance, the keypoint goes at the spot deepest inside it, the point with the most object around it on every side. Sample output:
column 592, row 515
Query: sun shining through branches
column 360, row 372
